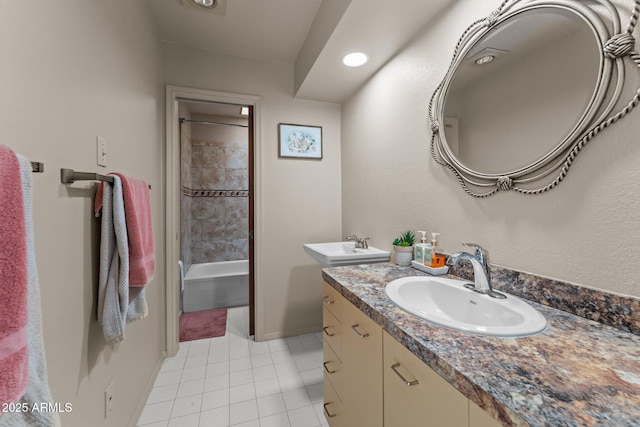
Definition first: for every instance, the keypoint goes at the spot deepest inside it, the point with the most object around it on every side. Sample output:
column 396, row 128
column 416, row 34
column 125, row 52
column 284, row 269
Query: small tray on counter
column 436, row 271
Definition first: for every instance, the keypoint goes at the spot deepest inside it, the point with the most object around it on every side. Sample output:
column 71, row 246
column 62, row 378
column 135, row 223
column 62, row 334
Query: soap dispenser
column 437, row 260
column 423, row 250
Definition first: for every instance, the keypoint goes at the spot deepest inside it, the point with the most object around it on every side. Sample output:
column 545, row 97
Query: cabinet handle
column 326, row 411
column 404, row 380
column 366, row 334
column 325, row 331
column 327, row 369
column 327, row 300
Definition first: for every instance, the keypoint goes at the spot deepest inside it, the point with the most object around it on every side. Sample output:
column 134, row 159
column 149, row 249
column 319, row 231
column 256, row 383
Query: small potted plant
column 403, row 248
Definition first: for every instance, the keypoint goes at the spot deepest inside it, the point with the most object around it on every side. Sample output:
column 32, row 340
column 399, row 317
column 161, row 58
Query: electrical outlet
column 108, row 400
column 101, row 151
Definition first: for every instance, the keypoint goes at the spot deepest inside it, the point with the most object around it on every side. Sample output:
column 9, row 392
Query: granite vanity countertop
column 576, row 373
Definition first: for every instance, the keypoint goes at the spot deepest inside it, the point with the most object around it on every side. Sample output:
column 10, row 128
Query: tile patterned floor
column 235, row 381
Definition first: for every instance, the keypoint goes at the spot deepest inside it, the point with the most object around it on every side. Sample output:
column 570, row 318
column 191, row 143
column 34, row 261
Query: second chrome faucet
column 361, row 243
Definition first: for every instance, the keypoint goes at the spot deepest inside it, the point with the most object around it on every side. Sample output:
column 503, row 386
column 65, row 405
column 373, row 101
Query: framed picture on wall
column 299, row 141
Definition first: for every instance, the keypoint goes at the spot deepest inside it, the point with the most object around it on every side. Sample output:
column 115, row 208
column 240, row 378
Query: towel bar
column 69, row 176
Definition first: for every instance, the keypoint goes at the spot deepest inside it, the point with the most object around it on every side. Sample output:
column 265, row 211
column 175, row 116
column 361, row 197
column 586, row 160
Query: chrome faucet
column 481, row 273
column 360, row 243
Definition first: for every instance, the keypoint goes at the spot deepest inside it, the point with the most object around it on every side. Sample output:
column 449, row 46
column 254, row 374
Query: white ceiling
column 276, row 31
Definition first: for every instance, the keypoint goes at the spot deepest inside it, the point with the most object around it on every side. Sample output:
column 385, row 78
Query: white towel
column 38, row 391
column 117, row 303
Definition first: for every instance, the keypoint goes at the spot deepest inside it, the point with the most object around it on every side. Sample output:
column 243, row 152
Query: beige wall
column 73, row 70
column 299, row 200
column 584, row 231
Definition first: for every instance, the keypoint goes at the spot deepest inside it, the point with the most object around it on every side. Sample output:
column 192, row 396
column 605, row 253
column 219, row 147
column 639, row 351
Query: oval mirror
column 525, row 91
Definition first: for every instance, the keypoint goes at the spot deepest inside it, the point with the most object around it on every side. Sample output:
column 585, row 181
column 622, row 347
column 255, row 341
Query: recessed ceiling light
column 244, row 111
column 355, row 59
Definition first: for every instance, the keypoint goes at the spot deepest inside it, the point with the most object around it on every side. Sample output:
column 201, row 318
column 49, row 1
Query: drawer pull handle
column 404, row 380
column 366, row 334
column 325, row 331
column 327, row 300
column 326, row 411
column 327, row 369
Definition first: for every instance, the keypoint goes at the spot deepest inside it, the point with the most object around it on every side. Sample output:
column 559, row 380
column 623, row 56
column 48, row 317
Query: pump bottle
column 437, row 260
column 423, row 250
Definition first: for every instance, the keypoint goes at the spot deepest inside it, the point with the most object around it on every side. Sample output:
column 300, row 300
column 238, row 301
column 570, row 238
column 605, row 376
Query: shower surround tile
column 236, row 158
column 215, row 220
column 236, row 179
column 213, row 178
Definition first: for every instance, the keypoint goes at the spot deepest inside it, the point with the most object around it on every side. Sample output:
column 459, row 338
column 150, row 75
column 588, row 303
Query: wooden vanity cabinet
column 352, row 364
column 372, row 380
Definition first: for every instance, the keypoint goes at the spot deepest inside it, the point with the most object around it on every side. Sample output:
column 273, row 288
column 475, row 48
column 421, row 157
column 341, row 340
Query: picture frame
column 299, row 141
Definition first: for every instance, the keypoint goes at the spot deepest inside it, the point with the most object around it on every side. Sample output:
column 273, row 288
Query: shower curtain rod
column 202, row 122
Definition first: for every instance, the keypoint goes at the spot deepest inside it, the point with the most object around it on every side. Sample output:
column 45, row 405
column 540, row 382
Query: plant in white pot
column 403, row 248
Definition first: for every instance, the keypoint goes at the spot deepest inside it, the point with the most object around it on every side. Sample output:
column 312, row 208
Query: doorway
column 188, row 109
column 214, row 208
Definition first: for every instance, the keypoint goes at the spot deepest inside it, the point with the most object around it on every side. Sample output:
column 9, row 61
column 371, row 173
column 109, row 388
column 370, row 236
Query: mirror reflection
column 521, row 90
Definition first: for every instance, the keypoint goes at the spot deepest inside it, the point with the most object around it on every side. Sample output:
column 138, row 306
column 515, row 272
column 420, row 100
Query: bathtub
column 215, row 285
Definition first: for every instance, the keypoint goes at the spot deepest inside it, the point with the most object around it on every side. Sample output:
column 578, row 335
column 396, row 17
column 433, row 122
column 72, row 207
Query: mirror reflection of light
column 355, row 59
column 485, row 59
column 206, row 3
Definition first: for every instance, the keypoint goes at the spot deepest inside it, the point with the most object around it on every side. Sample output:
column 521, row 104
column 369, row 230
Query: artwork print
column 300, row 141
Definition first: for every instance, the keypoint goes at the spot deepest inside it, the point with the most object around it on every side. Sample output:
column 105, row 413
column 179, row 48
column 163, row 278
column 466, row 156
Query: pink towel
column 13, row 281
column 137, row 209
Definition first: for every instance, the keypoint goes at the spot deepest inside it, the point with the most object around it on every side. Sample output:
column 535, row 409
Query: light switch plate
column 101, row 151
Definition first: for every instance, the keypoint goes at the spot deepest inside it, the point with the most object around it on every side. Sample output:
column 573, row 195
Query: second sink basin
column 446, row 302
column 344, row 253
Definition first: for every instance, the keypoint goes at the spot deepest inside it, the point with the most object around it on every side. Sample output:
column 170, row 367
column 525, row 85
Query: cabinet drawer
column 332, row 331
column 333, row 411
column 332, row 300
column 414, row 395
column 332, row 369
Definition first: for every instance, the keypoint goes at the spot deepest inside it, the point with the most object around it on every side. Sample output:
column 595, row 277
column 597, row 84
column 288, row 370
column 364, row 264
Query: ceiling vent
column 218, row 7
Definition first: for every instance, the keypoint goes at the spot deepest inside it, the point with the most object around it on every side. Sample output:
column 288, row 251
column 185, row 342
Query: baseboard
column 285, row 334
column 147, row 391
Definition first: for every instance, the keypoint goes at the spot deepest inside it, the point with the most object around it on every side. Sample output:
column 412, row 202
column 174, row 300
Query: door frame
column 173, row 95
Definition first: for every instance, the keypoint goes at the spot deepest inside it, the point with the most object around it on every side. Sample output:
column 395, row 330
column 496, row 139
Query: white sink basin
column 447, row 303
column 344, row 253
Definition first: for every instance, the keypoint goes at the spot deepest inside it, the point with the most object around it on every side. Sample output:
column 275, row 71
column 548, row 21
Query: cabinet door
column 414, row 395
column 481, row 418
column 362, row 369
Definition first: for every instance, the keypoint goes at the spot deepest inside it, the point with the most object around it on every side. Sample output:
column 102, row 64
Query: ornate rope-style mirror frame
column 615, row 45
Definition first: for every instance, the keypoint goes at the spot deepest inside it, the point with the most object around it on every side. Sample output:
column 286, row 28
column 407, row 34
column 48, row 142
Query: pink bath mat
column 198, row 325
